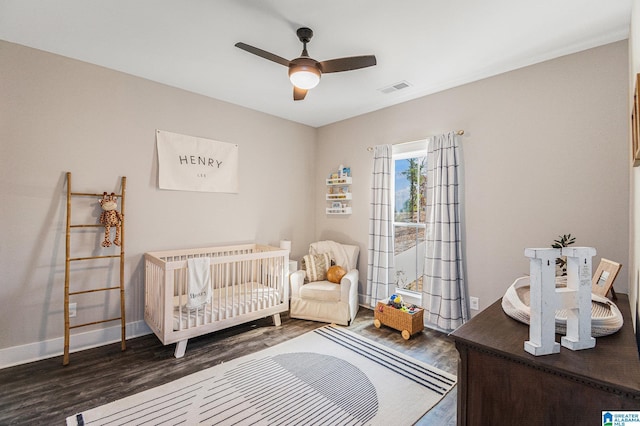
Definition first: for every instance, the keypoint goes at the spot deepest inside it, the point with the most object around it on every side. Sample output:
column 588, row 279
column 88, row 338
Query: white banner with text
column 189, row 163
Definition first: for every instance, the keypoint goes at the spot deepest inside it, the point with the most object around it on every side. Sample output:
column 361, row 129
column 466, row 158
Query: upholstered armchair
column 319, row 299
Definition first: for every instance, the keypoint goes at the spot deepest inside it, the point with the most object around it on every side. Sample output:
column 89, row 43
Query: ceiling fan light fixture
column 304, row 71
column 304, row 76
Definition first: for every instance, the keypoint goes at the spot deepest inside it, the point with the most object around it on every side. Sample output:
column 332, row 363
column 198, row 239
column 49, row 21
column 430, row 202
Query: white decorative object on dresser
column 339, row 191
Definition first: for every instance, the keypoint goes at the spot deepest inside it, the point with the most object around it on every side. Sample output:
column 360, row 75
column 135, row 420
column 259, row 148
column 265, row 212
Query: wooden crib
column 248, row 282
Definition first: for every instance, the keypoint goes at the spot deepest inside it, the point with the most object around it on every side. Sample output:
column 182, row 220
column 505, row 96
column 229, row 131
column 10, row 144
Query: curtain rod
column 458, row 132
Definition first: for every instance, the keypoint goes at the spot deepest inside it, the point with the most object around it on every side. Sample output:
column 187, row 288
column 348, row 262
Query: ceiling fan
column 305, row 72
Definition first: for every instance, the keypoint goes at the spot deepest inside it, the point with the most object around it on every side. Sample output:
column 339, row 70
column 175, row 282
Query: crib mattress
column 606, row 318
column 225, row 303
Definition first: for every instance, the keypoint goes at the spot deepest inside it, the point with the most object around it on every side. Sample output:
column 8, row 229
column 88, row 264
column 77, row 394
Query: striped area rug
column 329, row 376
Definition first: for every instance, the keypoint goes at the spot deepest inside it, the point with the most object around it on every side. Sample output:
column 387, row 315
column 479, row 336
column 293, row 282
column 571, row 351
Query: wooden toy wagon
column 405, row 322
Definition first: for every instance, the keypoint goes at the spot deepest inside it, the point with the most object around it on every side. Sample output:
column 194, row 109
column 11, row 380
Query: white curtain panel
column 444, row 289
column 380, row 249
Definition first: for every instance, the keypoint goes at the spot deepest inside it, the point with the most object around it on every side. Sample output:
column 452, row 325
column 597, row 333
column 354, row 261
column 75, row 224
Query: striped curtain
column 444, row 289
column 380, row 249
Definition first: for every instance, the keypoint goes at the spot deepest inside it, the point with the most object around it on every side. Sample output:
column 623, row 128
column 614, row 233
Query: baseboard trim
column 37, row 351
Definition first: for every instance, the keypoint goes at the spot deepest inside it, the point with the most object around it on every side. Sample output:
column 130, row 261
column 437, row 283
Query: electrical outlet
column 473, row 302
column 73, row 309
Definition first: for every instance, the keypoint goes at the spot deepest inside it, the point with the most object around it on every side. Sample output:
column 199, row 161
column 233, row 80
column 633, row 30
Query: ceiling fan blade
column 263, row 54
column 299, row 94
column 347, row 64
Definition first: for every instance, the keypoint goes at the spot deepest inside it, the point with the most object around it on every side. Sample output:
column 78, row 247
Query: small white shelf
column 339, row 197
column 343, row 210
column 340, row 181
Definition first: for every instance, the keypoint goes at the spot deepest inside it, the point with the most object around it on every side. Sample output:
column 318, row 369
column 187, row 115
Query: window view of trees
column 411, row 181
column 409, row 221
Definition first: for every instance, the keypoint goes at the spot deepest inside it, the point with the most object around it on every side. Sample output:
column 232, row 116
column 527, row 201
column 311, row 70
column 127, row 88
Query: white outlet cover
column 473, row 302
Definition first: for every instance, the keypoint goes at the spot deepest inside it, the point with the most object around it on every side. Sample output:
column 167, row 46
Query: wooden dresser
column 501, row 384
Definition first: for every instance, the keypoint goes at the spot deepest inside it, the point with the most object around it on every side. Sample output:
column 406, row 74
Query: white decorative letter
column 542, row 328
column 545, row 299
column 578, row 302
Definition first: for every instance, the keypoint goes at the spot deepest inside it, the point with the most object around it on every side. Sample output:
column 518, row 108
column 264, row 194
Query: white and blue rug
column 326, row 376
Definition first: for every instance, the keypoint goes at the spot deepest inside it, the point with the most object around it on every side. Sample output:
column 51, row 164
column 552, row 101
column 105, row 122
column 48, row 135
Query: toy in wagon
column 394, row 313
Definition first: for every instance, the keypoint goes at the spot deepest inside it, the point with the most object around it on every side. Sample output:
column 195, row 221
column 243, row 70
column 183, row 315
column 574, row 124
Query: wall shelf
column 339, row 197
column 343, row 210
column 347, row 180
column 339, row 194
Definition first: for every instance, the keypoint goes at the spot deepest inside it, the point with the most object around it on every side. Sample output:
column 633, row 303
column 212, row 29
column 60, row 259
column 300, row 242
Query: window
column 410, row 180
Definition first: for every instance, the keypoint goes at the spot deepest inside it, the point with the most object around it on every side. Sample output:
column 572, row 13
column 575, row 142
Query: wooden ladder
column 69, row 259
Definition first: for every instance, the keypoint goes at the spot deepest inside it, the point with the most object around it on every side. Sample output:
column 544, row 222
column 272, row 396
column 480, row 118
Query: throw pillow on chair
column 335, row 274
column 316, row 266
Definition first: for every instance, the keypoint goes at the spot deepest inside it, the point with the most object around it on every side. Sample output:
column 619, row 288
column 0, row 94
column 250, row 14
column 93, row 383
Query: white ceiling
column 431, row 44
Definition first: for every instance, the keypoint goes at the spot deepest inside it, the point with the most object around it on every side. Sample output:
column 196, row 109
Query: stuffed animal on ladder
column 110, row 217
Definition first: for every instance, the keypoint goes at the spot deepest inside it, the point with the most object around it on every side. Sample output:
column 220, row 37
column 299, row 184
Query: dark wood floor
column 46, row 393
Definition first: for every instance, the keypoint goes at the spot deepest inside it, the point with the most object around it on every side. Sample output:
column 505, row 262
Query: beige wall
column 545, row 153
column 61, row 115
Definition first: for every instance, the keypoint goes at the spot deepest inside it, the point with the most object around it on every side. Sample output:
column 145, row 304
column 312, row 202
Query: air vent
column 395, row 87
